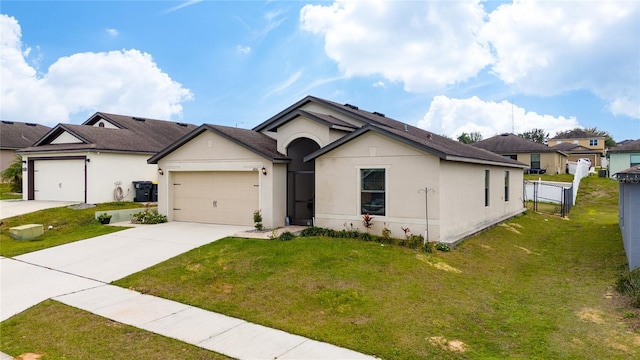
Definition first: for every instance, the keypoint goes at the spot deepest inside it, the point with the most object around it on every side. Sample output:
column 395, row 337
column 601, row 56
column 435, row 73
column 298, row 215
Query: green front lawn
column 68, row 226
column 537, row 286
column 58, row 331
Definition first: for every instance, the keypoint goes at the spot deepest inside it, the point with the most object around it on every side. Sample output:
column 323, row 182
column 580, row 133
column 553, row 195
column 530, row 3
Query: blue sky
column 449, row 67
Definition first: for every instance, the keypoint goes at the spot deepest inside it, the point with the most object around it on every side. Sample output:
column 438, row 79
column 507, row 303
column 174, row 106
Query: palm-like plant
column 13, row 174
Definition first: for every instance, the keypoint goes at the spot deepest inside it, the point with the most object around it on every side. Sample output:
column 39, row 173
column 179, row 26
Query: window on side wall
column 506, row 186
column 372, row 191
column 486, row 188
column 593, row 142
column 634, row 159
column 535, row 161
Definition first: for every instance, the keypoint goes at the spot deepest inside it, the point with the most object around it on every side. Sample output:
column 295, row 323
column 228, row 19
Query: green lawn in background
column 6, row 194
column 69, row 225
column 534, row 287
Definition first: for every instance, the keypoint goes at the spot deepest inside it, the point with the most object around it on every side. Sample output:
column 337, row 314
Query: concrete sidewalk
column 78, row 274
column 223, row 334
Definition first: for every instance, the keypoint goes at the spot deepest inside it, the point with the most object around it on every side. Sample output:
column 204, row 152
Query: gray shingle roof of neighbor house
column 134, row 134
column 510, row 143
column 629, row 146
column 16, row 135
column 435, row 144
column 257, row 142
column 576, row 134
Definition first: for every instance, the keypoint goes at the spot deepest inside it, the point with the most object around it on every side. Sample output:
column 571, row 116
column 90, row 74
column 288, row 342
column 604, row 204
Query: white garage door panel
column 215, row 197
column 59, row 180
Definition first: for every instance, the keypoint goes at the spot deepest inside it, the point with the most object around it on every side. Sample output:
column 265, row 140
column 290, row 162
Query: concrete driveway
column 9, row 208
column 27, row 279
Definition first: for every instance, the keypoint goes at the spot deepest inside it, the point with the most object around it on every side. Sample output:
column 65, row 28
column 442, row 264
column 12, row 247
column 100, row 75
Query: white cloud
column 451, row 117
column 378, row 84
column 551, row 47
column 124, row 82
column 426, row 45
column 178, row 7
column 243, row 49
column 285, row 84
column 112, row 32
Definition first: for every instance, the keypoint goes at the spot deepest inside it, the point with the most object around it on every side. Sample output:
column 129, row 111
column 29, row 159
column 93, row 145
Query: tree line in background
column 539, row 136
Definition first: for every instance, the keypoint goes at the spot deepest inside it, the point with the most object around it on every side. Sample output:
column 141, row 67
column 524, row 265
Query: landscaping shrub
column 286, row 236
column 443, row 247
column 148, row 217
column 628, row 284
column 257, row 219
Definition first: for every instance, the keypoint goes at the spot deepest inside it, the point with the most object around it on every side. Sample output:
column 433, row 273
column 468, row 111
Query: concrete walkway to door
column 78, row 274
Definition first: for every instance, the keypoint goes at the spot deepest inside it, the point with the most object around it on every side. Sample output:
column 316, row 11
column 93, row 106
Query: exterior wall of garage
column 102, row 171
column 210, row 152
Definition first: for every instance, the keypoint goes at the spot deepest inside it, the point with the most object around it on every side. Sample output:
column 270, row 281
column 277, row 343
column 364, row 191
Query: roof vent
column 7, row 122
column 138, row 118
column 505, row 134
column 31, row 124
column 429, row 136
column 378, row 113
column 351, row 106
column 182, row 124
column 406, row 128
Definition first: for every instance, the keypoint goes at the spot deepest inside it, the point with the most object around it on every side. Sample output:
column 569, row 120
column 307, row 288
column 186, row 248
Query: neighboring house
column 580, row 144
column 537, row 156
column 17, row 135
column 624, row 156
column 629, row 213
column 86, row 163
column 323, row 163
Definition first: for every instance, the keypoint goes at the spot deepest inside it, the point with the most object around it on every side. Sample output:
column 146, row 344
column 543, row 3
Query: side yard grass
column 536, row 286
column 69, row 225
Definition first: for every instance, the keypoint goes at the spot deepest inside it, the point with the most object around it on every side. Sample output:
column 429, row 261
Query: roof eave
column 483, row 162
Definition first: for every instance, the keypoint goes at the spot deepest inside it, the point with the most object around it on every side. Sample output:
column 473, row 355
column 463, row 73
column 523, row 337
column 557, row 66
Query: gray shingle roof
column 257, row 142
column 511, row 144
column 576, row 134
column 134, row 134
column 16, row 135
column 441, row 146
column 629, row 146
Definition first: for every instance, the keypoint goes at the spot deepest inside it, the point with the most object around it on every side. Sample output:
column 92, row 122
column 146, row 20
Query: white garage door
column 220, row 197
column 59, row 180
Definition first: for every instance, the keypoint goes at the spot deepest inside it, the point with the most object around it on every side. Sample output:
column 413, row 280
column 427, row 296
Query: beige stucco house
column 579, row 144
column 323, row 163
column 537, row 156
column 89, row 162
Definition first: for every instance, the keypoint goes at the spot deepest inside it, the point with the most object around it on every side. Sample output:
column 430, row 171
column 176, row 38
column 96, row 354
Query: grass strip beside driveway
column 536, row 286
column 69, row 225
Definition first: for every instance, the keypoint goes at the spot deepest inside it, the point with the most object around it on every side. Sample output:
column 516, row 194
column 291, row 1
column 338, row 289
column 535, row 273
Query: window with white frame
column 593, row 142
column 372, row 191
column 634, row 159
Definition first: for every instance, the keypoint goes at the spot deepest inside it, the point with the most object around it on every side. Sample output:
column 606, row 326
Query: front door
column 301, row 182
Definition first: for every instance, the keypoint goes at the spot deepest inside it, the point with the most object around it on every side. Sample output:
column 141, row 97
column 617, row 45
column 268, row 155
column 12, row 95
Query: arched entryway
column 301, row 182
